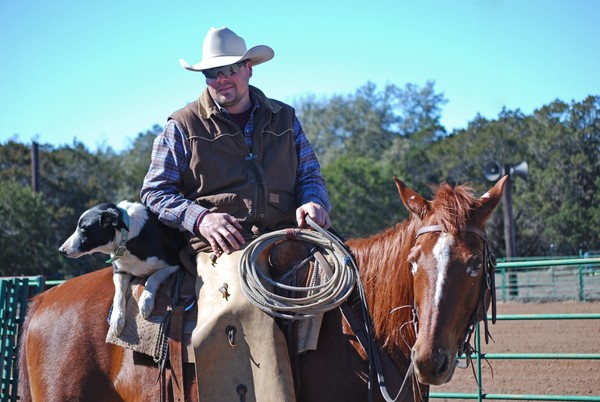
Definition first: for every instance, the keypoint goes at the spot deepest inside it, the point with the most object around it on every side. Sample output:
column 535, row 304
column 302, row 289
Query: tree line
column 362, row 140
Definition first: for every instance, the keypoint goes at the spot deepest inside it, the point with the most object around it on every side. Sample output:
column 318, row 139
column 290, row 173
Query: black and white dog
column 139, row 245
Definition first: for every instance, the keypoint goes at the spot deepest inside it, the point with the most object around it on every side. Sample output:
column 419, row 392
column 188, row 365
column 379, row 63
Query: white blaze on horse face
column 441, row 252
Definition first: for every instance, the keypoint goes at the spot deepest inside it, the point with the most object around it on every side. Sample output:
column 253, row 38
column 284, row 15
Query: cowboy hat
column 222, row 47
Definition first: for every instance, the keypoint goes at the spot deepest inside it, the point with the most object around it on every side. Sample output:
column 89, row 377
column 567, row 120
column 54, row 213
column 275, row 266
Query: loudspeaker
column 519, row 170
column 492, row 171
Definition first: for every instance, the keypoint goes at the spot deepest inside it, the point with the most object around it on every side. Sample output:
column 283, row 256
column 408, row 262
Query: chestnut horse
column 426, row 282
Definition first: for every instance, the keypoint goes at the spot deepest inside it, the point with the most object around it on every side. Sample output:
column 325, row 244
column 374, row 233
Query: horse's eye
column 475, row 265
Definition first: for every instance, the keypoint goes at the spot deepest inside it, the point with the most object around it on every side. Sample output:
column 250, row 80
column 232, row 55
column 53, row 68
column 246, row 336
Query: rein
column 379, row 362
column 489, row 284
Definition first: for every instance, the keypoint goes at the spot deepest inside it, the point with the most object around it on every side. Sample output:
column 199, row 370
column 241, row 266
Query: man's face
column 230, row 91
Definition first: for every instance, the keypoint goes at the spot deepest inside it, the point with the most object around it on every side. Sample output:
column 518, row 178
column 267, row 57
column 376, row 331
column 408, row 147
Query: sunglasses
column 227, row 71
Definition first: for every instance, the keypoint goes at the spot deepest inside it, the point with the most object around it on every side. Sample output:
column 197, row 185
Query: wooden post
column 35, row 168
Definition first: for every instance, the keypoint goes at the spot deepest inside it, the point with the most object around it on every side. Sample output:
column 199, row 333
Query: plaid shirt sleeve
column 310, row 185
column 163, row 185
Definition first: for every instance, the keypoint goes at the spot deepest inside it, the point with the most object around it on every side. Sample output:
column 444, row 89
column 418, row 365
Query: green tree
column 378, row 124
column 26, row 241
column 565, row 153
column 133, row 165
column 363, row 194
column 15, row 163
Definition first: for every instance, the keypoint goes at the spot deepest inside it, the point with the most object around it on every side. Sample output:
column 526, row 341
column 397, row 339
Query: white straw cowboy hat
column 222, row 47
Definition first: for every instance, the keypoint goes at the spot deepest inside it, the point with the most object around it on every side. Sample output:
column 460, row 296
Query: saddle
column 145, row 335
column 166, row 334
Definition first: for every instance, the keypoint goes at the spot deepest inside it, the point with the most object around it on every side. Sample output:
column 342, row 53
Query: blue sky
column 101, row 72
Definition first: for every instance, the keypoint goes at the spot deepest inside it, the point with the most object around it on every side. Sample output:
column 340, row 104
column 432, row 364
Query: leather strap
column 175, row 353
column 389, row 376
column 393, row 378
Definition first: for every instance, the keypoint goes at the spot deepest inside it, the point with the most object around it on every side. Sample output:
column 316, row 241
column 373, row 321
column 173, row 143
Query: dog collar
column 121, row 248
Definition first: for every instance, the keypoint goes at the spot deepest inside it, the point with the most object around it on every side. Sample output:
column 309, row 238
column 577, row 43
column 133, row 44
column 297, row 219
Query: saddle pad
column 140, row 334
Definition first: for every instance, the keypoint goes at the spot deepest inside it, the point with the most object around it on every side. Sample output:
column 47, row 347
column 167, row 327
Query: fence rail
column 549, row 279
column 478, row 357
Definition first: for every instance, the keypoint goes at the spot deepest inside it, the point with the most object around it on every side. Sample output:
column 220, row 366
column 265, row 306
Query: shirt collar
column 254, row 105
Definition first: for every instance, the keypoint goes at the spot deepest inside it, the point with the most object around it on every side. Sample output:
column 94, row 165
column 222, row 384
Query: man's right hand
column 222, row 232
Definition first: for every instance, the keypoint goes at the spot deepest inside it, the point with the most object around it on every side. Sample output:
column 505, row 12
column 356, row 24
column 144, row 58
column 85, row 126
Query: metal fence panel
column 14, row 293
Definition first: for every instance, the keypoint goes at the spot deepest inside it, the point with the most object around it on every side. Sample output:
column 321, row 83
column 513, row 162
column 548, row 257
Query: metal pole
column 509, row 231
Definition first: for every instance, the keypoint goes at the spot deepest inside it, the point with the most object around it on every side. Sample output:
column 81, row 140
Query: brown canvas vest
column 256, row 185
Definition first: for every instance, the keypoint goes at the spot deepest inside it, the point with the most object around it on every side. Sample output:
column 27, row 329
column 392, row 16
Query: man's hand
column 317, row 213
column 222, row 232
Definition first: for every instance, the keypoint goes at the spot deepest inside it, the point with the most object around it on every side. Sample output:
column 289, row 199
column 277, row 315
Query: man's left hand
column 316, row 212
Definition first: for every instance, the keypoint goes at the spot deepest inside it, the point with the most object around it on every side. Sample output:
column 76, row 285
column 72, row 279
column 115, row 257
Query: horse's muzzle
column 433, row 367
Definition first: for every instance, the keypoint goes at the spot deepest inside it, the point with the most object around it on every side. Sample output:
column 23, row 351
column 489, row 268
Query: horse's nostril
column 443, row 366
column 432, row 368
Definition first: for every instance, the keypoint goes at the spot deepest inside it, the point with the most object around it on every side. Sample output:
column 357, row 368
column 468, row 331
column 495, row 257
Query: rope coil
column 261, row 290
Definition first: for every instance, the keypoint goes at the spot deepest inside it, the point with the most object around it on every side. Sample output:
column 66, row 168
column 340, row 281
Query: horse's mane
column 452, row 206
column 386, row 273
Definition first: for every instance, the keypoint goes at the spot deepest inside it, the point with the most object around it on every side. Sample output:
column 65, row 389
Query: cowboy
column 228, row 167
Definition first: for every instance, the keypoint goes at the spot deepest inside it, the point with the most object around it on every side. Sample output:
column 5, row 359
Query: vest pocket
column 282, row 207
column 226, row 203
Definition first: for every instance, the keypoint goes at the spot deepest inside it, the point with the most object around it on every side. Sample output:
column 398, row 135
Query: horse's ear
column 489, row 201
column 416, row 204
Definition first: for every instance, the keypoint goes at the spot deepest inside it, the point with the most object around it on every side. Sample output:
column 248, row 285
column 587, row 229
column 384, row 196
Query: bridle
column 489, row 264
column 489, row 284
column 489, row 261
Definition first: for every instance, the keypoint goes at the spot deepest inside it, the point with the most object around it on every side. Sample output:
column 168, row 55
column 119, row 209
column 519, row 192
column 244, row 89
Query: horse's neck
column 385, row 272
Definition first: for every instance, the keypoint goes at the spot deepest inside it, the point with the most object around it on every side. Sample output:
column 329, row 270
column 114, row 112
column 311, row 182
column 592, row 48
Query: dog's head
column 96, row 232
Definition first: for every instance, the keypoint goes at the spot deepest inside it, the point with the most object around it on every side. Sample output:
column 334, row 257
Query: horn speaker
column 520, row 170
column 492, row 171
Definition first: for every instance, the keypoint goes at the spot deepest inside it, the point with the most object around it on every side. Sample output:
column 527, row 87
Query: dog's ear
column 110, row 218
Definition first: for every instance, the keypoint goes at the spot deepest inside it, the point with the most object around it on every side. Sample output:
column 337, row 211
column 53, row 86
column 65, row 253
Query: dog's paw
column 117, row 322
column 146, row 303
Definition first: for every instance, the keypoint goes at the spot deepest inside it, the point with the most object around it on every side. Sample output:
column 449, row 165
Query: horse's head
column 450, row 267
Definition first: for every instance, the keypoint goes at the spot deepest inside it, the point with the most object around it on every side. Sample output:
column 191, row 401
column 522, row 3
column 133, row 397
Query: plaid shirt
column 163, row 187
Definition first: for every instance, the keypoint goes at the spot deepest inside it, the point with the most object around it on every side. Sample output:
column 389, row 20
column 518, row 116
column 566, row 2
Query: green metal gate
column 579, row 280
column 478, row 357
column 14, row 293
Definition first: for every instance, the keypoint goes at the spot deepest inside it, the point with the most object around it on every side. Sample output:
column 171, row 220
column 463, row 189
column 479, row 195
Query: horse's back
column 64, row 355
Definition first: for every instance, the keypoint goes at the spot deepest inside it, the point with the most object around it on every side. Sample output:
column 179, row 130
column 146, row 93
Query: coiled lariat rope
column 327, row 296
column 261, row 290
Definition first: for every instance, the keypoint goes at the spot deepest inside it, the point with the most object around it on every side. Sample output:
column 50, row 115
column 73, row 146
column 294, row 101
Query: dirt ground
column 555, row 377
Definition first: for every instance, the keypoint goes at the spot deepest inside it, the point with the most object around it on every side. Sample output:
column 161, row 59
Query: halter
column 489, row 266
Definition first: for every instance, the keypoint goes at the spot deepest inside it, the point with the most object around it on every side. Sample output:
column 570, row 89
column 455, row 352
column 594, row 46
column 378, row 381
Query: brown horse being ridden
column 427, row 273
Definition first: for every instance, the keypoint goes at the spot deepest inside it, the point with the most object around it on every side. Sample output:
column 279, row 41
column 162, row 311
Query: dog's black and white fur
column 152, row 251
